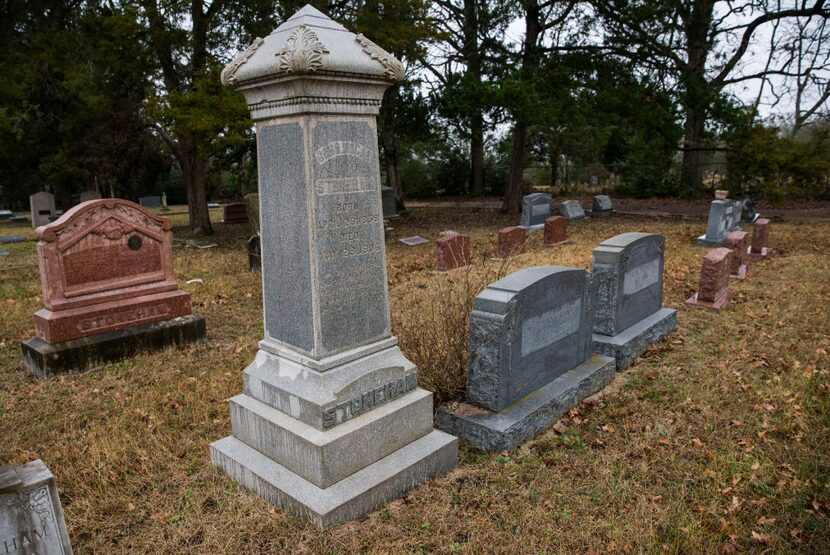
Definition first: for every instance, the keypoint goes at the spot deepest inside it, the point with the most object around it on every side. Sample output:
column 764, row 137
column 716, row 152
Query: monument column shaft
column 324, row 261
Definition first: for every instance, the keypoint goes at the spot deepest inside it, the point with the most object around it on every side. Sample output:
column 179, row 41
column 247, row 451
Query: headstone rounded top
column 79, row 214
column 523, row 278
column 626, row 239
column 310, row 43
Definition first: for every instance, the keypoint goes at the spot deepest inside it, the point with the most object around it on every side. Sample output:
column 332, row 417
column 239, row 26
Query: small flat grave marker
column 414, row 240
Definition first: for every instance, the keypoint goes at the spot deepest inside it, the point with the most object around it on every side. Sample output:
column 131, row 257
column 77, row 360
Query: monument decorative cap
column 310, row 43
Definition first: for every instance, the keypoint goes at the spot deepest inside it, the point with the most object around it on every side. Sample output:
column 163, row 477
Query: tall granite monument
column 331, row 422
column 720, row 223
column 627, row 281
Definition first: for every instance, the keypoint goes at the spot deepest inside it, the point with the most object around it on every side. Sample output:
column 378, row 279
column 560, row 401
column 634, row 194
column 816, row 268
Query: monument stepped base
column 508, row 428
column 49, row 359
column 628, row 345
column 350, row 498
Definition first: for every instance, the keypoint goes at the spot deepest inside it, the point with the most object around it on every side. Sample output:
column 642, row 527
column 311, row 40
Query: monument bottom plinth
column 352, row 497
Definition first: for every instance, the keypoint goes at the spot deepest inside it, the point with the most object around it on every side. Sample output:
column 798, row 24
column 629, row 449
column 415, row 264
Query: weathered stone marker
column 571, row 210
column 235, row 213
column 106, row 271
column 714, row 292
column 556, row 231
column 535, row 210
column 88, row 195
column 719, row 224
column 42, row 207
column 737, row 242
column 627, row 279
column 602, row 207
column 512, row 241
column 452, row 251
column 31, row 517
column 390, row 207
column 331, row 423
column 760, row 233
column 530, row 357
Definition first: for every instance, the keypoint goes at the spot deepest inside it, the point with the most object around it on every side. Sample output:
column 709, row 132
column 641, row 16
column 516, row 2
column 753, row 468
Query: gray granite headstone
column 42, row 206
column 150, row 202
column 571, row 209
column 331, row 422
column 719, row 224
column 748, row 213
column 602, row 206
column 530, row 356
column 627, row 281
column 31, row 517
column 737, row 215
column 536, row 209
column 387, row 196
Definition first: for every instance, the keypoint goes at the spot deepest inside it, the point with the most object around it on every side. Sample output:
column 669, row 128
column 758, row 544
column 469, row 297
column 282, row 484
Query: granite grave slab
column 235, row 213
column 556, row 231
column 150, row 202
column 760, row 233
column 627, row 285
column 512, row 241
column 42, row 207
column 571, row 210
column 602, row 207
column 713, row 291
column 390, row 206
column 530, row 357
column 737, row 242
column 536, row 208
column 331, row 422
column 452, row 251
column 719, row 224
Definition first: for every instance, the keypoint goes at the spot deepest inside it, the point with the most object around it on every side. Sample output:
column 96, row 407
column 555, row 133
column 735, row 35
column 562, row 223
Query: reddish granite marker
column 760, row 233
column 453, row 251
column 556, row 231
column 714, row 278
column 106, row 265
column 236, row 213
column 737, row 243
column 512, row 241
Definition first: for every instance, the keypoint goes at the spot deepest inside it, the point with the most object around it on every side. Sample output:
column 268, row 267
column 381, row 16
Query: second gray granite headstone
column 535, row 210
column 571, row 209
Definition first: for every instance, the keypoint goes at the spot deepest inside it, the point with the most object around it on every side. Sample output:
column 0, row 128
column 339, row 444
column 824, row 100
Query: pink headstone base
column 765, row 253
column 74, row 323
column 721, row 301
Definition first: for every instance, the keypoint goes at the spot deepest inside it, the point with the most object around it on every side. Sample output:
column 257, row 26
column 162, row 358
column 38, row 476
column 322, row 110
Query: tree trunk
column 513, row 197
column 694, row 152
column 194, row 170
column 477, row 154
column 390, row 145
column 473, row 61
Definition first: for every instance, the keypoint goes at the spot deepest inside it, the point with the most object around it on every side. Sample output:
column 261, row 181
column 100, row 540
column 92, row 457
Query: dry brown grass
column 717, row 440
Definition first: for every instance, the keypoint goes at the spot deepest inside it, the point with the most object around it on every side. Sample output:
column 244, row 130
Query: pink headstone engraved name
column 737, row 243
column 106, row 265
column 760, row 234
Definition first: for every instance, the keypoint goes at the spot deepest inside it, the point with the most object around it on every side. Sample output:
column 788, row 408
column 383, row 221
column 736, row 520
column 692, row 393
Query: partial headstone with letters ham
column 106, row 272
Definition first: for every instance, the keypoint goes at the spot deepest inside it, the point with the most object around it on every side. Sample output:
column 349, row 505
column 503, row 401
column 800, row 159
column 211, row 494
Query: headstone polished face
column 331, row 422
column 527, row 329
column 42, row 206
column 627, row 282
column 720, row 223
column 628, row 278
column 571, row 210
column 535, row 209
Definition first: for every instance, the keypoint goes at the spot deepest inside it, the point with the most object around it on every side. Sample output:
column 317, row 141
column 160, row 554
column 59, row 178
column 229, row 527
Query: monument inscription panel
column 351, row 266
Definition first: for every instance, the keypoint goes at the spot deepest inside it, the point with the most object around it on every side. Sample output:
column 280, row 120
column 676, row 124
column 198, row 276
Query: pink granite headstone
column 512, row 241
column 737, row 243
column 106, row 265
column 760, row 233
column 714, row 277
column 556, row 230
column 452, row 251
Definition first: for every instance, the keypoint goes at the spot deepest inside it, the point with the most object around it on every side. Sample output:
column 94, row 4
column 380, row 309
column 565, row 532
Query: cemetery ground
column 717, row 439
